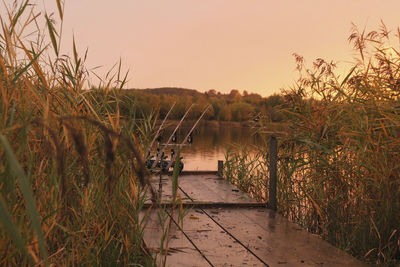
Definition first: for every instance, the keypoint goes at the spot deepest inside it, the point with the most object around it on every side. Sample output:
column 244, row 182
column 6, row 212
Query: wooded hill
column 224, row 107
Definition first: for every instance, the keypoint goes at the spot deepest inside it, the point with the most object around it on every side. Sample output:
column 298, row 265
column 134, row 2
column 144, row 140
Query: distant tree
column 254, row 99
column 274, row 100
column 200, row 104
column 225, row 113
column 235, row 95
column 210, row 114
column 216, row 105
column 241, row 111
column 211, row 92
column 272, row 107
column 234, row 92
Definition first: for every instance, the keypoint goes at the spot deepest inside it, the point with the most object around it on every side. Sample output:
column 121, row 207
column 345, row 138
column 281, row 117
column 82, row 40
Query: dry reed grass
column 339, row 154
column 71, row 173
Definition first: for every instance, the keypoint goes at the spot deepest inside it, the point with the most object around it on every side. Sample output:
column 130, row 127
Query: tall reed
column 246, row 169
column 71, row 171
column 339, row 149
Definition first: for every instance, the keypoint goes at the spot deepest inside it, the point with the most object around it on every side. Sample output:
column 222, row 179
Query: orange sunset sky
column 217, row 44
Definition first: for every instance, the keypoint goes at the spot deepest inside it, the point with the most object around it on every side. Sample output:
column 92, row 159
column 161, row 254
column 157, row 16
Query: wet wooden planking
column 235, row 236
column 205, row 188
column 216, row 244
column 211, row 188
column 180, row 251
column 279, row 242
column 166, row 187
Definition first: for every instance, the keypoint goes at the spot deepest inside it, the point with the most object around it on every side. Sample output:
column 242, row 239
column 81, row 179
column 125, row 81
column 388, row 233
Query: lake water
column 210, row 143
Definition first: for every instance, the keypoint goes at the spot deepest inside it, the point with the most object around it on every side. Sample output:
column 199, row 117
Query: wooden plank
column 219, row 248
column 211, row 188
column 180, row 249
column 279, row 242
column 204, row 188
column 166, row 187
column 206, row 205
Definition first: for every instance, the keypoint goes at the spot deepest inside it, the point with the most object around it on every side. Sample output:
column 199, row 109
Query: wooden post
column 273, row 160
column 220, row 167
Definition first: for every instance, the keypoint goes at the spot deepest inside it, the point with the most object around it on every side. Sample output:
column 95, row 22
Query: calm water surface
column 210, row 143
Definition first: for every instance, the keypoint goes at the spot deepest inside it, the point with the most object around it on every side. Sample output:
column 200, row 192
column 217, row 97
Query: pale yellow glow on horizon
column 218, row 44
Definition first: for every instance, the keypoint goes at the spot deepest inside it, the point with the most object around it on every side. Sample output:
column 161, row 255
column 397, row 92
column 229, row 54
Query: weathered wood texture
column 235, row 235
column 205, row 188
column 273, row 176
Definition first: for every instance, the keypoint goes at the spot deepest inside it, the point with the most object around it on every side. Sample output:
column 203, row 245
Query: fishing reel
column 163, row 163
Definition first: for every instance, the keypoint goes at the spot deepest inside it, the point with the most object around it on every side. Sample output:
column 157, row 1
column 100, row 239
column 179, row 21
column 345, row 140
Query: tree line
column 233, row 106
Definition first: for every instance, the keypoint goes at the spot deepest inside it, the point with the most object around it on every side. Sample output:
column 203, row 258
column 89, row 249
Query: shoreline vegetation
column 234, row 106
column 339, row 151
column 72, row 176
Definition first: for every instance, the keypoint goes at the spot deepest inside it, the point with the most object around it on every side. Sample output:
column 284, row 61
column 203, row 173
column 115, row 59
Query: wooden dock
column 225, row 227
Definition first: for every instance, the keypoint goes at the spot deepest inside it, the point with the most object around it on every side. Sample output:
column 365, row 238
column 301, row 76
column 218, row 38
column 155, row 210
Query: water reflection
column 210, row 142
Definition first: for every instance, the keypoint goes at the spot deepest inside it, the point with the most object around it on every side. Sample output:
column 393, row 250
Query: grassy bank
column 71, row 173
column 339, row 151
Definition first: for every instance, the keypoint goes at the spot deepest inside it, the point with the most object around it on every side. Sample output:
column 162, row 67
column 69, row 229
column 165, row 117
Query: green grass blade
column 175, row 175
column 52, row 33
column 24, row 69
column 348, row 76
column 26, row 190
column 123, row 82
column 18, row 15
column 60, row 9
column 74, row 50
column 6, row 220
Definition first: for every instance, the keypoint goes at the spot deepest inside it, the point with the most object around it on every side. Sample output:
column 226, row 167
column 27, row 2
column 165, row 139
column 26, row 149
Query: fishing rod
column 158, row 131
column 169, row 139
column 187, row 136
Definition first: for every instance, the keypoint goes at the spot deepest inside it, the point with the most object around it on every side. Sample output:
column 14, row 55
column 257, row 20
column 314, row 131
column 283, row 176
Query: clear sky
column 217, row 44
